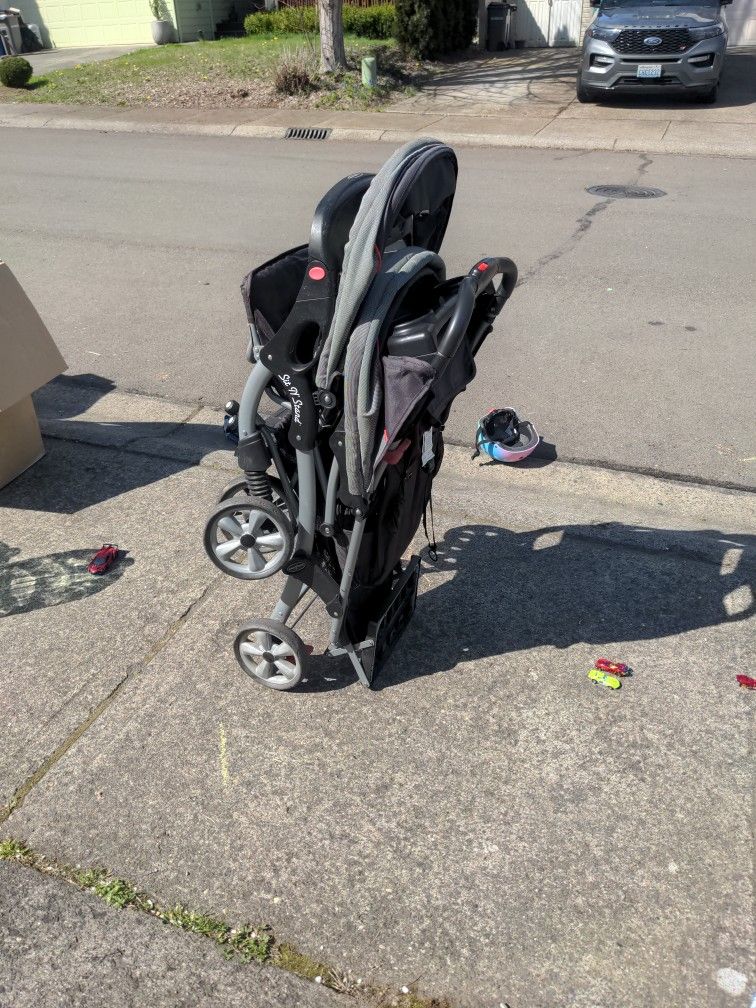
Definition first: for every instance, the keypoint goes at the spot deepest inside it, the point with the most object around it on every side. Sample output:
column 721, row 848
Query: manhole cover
column 625, row 191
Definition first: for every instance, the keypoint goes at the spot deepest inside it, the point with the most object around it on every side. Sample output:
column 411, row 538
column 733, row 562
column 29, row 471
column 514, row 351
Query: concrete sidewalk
column 62, row 948
column 487, row 824
column 572, row 127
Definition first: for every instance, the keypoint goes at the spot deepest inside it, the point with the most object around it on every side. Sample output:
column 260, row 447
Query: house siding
column 66, row 23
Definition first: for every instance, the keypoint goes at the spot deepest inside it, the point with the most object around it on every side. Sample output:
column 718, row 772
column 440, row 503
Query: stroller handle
column 481, row 276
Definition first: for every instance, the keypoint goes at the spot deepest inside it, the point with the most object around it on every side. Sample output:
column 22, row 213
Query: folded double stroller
column 362, row 344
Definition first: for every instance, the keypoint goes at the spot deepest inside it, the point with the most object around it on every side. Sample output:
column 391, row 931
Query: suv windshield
column 607, row 4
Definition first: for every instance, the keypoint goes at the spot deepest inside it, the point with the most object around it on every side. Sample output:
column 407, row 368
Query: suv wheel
column 585, row 94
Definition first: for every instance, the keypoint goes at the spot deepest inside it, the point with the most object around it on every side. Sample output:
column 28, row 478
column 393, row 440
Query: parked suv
column 656, row 45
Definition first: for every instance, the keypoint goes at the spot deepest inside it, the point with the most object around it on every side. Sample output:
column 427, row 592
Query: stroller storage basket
column 367, row 343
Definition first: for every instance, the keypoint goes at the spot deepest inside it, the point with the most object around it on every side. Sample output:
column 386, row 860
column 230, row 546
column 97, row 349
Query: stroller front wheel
column 248, row 537
column 271, row 653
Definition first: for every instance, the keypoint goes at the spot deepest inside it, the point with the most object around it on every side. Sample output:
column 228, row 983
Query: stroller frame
column 322, row 512
column 309, row 575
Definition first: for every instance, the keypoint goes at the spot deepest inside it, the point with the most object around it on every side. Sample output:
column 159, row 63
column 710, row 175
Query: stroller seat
column 270, row 291
column 364, row 344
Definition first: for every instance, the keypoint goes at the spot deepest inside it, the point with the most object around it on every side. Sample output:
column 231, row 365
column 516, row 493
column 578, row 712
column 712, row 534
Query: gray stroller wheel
column 271, row 654
column 248, row 537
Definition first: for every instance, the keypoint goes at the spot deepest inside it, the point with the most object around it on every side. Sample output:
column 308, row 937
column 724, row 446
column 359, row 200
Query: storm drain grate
column 625, row 191
column 307, row 133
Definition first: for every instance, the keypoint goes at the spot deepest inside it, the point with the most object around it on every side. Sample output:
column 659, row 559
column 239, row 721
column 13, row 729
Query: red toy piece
column 103, row 559
column 616, row 668
column 745, row 680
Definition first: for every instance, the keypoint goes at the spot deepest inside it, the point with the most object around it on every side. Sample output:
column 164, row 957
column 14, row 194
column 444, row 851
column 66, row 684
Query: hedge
column 377, row 22
column 15, row 71
column 370, row 22
column 428, row 28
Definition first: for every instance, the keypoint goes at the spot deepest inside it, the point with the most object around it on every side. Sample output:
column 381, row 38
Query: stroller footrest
column 385, row 631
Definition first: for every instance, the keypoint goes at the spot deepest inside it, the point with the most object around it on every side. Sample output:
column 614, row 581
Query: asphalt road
column 628, row 341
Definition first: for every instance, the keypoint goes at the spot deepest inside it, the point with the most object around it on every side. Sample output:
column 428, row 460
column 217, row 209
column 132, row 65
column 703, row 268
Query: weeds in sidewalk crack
column 245, row 942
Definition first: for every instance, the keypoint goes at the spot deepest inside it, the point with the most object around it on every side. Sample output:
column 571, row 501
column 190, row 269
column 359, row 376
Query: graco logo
column 652, row 40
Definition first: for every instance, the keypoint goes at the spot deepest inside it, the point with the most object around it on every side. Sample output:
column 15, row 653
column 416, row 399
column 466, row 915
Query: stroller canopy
column 408, row 202
column 395, row 238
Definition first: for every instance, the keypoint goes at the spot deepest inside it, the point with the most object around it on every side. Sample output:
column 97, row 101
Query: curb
column 118, row 122
column 600, row 508
column 601, row 489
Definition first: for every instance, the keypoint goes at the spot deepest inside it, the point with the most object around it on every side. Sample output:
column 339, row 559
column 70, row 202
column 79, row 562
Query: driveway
column 62, row 59
column 541, row 83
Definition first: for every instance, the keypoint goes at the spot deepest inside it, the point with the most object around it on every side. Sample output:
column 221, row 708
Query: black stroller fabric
column 401, row 498
column 406, row 381
column 366, row 381
column 269, row 292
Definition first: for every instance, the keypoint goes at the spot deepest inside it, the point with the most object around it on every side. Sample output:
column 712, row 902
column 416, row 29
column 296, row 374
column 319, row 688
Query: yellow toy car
column 604, row 679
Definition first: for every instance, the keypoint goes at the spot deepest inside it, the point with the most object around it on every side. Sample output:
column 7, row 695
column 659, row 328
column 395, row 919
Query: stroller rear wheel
column 271, row 653
column 248, row 537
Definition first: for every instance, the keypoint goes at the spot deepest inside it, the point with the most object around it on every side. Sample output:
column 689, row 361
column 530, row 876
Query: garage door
column 543, row 23
column 89, row 22
column 741, row 22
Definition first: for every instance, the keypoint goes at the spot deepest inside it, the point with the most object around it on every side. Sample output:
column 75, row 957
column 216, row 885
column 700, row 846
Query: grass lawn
column 232, row 72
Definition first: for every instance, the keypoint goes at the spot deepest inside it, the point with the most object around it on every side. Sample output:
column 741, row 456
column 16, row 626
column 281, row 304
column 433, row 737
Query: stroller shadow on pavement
column 505, row 592
column 493, row 591
column 41, row 582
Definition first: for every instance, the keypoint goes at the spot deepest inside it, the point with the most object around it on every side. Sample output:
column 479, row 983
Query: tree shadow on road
column 558, row 586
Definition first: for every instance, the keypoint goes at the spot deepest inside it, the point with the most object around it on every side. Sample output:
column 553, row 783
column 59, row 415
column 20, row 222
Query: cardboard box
column 28, row 360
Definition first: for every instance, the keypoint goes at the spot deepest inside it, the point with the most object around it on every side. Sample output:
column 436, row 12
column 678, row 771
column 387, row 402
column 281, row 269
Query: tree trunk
column 332, row 55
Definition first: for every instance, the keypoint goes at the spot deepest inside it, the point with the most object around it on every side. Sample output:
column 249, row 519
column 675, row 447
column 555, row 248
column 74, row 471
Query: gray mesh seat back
column 376, row 390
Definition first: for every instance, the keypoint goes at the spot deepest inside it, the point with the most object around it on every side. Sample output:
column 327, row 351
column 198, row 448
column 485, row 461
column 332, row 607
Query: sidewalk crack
column 171, row 431
column 549, row 123
column 104, row 704
column 243, row 943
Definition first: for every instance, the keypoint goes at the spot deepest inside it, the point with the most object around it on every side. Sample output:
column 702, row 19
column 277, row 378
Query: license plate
column 649, row 70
